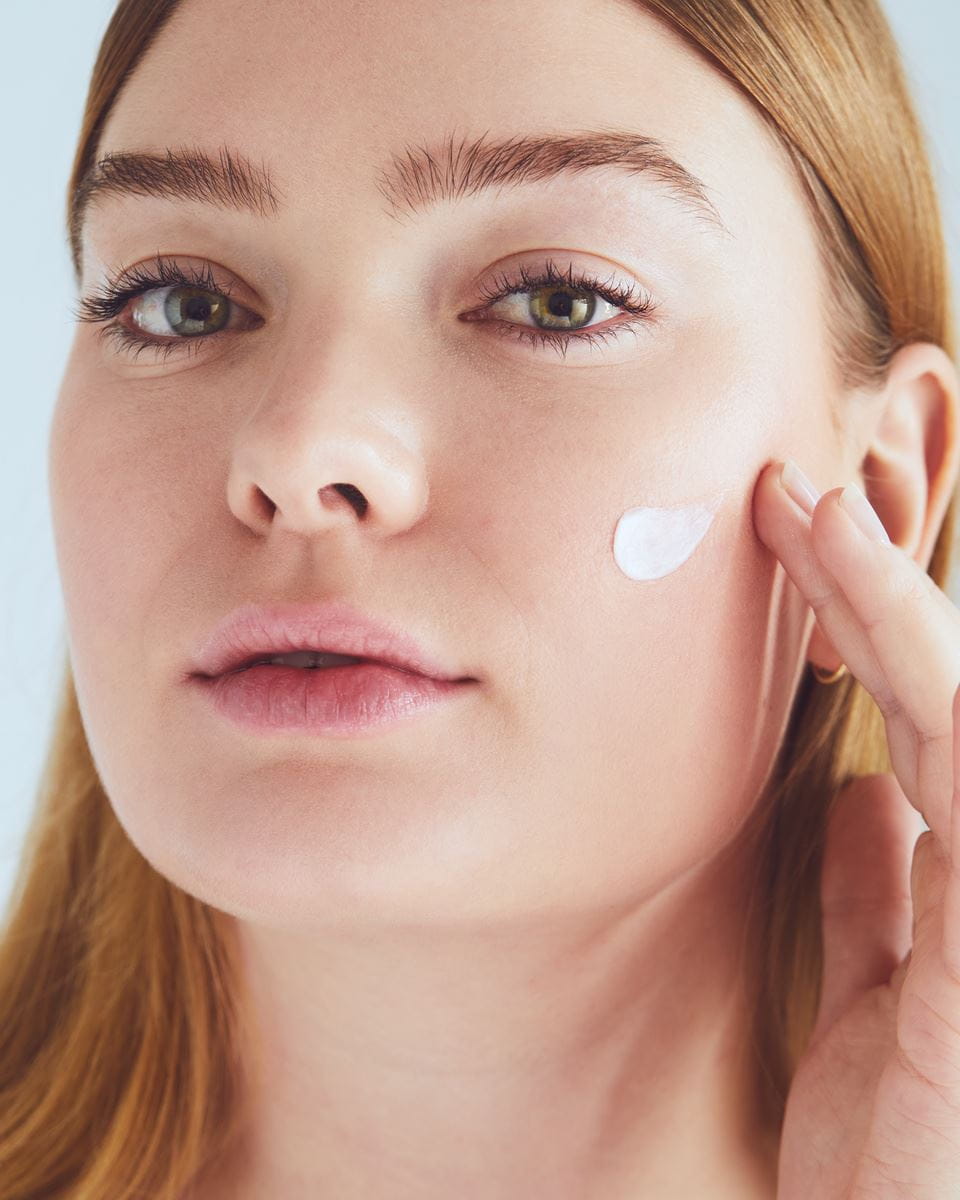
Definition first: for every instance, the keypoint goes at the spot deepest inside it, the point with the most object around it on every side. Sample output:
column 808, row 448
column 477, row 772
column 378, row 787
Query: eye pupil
column 563, row 305
column 560, row 305
column 193, row 310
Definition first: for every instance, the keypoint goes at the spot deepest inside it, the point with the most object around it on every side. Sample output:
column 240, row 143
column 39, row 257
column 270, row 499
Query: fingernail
column 861, row 511
column 798, row 487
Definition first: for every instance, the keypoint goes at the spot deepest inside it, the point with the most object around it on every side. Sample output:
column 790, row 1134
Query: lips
column 252, row 632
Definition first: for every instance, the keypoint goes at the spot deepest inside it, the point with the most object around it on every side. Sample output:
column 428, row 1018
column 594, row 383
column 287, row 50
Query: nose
column 311, row 461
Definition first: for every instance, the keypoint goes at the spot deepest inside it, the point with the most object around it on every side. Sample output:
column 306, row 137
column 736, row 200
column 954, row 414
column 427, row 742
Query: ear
column 909, row 452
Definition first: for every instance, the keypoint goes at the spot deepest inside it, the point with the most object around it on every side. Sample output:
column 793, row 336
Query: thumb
column 865, row 897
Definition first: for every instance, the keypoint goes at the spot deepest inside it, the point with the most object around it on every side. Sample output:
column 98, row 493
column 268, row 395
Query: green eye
column 186, row 311
column 562, row 307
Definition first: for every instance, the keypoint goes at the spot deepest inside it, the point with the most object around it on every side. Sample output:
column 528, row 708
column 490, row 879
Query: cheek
column 83, row 500
column 115, row 531
column 713, row 635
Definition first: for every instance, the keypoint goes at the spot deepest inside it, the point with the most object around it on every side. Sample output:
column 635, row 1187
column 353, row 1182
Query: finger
column 951, row 900
column 785, row 529
column 895, row 629
column 865, row 891
column 928, row 1025
column 914, row 635
column 928, row 1021
column 912, row 626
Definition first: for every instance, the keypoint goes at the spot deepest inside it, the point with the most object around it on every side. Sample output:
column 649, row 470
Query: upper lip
column 253, row 631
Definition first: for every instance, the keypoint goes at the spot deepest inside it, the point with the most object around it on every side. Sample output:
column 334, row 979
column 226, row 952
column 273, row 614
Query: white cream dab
column 651, row 542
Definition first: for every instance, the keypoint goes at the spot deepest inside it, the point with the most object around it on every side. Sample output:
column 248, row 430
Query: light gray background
column 46, row 54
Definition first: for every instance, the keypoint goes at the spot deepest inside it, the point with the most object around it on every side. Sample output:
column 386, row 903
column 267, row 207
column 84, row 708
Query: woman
column 494, row 326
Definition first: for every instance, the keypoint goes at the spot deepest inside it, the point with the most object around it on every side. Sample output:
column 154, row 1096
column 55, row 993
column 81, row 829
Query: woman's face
column 620, row 729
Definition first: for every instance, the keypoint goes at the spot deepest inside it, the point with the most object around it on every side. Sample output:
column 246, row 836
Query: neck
column 603, row 1058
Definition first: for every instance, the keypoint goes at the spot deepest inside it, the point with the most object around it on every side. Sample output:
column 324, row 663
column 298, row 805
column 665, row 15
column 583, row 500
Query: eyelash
column 114, row 296
column 108, row 303
column 634, row 300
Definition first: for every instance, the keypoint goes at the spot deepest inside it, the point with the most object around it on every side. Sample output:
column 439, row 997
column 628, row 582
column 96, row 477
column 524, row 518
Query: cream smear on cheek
column 651, row 542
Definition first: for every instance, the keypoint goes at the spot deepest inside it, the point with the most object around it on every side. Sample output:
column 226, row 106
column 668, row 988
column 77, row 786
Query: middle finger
column 896, row 630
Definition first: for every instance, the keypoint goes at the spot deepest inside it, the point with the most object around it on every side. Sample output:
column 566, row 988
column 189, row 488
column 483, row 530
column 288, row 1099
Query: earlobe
column 821, row 654
column 910, row 465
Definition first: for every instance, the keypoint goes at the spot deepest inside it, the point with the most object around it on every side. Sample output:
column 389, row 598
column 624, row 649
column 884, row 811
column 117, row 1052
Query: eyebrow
column 414, row 181
column 424, row 176
column 229, row 181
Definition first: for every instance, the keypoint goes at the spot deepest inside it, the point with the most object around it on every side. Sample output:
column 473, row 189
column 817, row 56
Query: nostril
column 351, row 494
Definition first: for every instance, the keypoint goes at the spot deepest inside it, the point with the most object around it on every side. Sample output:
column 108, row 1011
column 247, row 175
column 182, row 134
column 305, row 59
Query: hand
column 874, row 1108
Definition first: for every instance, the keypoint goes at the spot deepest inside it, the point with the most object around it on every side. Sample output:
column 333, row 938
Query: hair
column 120, row 1020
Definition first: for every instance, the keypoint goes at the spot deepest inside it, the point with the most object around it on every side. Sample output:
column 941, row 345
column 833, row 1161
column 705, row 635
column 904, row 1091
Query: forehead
column 328, row 92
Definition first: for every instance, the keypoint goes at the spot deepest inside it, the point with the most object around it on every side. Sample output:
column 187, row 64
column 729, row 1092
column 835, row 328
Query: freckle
column 651, row 542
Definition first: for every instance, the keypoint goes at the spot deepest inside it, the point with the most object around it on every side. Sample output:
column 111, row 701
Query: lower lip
column 342, row 700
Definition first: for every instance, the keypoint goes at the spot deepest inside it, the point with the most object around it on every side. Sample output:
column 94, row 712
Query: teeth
column 310, row 658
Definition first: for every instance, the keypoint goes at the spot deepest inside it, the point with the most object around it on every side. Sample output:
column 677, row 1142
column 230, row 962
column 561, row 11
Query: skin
column 495, row 951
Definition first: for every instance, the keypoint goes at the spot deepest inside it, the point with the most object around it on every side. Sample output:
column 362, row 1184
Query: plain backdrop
column 47, row 51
